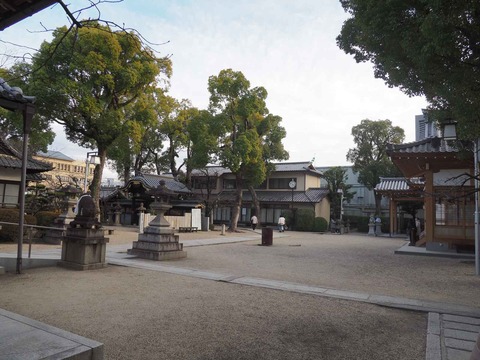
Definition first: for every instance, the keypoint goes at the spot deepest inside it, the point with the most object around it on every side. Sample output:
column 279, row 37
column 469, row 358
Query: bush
column 360, row 223
column 320, row 224
column 46, row 218
column 305, row 220
column 10, row 232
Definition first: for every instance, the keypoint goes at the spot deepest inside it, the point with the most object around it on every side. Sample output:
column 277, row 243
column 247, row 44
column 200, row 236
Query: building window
column 229, row 184
column 279, row 183
column 204, row 183
column 9, row 194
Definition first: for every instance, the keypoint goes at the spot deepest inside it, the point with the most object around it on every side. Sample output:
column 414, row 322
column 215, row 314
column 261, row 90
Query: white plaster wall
column 10, row 174
column 452, row 177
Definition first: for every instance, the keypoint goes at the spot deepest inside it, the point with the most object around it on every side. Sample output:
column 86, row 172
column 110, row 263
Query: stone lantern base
column 158, row 244
column 84, row 249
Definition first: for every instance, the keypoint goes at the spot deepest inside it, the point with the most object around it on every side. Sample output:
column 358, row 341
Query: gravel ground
column 140, row 314
column 348, row 262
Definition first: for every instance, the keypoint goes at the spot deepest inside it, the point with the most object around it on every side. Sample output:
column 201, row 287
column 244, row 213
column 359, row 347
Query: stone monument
column 84, row 246
column 158, row 241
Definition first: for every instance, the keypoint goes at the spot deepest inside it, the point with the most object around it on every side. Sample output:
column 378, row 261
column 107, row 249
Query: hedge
column 10, row 232
column 320, row 224
column 46, row 218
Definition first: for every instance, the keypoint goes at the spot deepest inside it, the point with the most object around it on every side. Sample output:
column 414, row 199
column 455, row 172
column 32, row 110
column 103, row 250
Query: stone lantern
column 70, row 194
column 158, row 241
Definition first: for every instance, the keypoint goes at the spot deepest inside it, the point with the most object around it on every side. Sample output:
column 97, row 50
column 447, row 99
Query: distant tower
column 424, row 128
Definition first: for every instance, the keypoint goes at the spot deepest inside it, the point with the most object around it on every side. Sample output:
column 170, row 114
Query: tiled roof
column 280, row 167
column 12, row 12
column 428, row 145
column 107, row 193
column 211, row 171
column 10, row 158
column 311, row 196
column 398, row 184
column 151, row 181
column 14, row 93
column 51, row 154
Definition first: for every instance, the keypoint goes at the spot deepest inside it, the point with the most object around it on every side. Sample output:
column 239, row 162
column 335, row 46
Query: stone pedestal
column 158, row 241
column 371, row 229
column 84, row 249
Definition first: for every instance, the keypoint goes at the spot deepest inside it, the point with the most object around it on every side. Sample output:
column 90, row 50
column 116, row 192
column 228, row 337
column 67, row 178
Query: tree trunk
column 238, row 203
column 126, row 175
column 256, row 203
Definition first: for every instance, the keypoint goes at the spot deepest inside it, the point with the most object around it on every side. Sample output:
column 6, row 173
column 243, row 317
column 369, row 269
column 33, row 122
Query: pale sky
column 288, row 47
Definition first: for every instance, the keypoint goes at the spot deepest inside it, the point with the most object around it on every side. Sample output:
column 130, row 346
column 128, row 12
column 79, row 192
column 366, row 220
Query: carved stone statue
column 85, row 211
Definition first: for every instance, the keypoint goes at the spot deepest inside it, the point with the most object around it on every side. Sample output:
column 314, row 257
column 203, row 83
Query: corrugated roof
column 151, row 181
column 310, row 196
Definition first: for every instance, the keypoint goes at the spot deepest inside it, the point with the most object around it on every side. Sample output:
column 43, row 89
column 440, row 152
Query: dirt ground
column 145, row 314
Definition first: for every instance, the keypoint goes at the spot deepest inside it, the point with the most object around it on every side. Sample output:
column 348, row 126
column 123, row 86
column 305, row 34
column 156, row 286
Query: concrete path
column 23, row 338
column 451, row 334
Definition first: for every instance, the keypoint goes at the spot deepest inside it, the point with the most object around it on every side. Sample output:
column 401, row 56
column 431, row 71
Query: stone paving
column 452, row 329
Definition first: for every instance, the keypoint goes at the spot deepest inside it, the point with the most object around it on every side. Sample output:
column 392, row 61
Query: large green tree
column 336, row 178
column 89, row 80
column 244, row 130
column 369, row 157
column 424, row 47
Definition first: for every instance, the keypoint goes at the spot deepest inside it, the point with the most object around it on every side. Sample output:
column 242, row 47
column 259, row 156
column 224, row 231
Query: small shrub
column 304, row 220
column 10, row 232
column 211, row 227
column 46, row 218
column 320, row 224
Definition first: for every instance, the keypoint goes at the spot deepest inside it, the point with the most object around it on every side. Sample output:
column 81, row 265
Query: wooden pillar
column 429, row 201
column 393, row 216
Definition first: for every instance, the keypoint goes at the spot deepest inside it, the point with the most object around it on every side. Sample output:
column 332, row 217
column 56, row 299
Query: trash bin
column 267, row 236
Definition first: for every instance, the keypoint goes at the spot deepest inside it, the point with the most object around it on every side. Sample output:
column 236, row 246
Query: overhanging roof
column 10, row 158
column 215, row 170
column 400, row 187
column 311, row 196
column 435, row 154
column 151, row 181
column 13, row 11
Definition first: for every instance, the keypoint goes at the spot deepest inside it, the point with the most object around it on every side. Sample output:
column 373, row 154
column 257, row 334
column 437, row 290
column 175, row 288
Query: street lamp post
column 91, row 159
column 450, row 133
column 340, row 191
column 292, row 185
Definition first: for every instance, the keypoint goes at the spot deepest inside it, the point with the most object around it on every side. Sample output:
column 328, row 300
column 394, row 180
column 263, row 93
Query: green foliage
column 320, row 224
column 337, row 178
column 305, row 220
column 423, row 47
column 86, row 80
column 247, row 138
column 369, row 157
column 360, row 223
column 46, row 218
column 11, row 122
column 10, row 232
